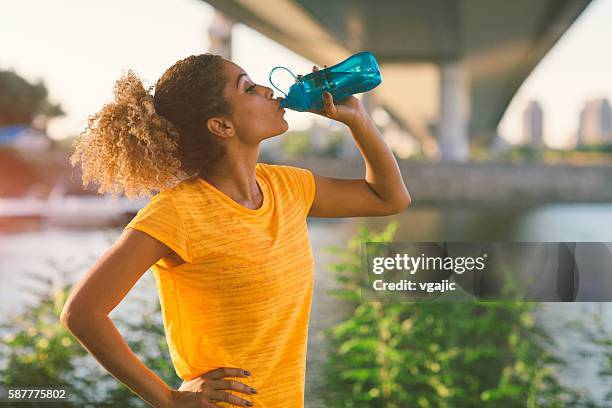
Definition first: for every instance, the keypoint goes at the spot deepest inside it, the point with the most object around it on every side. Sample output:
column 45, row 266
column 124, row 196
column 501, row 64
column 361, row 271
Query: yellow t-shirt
column 243, row 296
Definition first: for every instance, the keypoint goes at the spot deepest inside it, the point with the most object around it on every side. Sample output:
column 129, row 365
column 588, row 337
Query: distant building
column 533, row 124
column 595, row 122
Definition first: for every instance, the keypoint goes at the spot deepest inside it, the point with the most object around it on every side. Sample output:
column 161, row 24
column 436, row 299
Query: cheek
column 259, row 117
column 255, row 123
column 262, row 116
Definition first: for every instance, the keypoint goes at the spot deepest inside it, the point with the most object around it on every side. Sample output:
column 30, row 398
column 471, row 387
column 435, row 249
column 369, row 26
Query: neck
column 234, row 175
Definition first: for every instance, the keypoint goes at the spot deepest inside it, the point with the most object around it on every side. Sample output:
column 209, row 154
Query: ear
column 220, row 126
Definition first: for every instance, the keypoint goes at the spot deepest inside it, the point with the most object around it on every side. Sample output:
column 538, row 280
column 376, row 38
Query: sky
column 81, row 48
column 577, row 68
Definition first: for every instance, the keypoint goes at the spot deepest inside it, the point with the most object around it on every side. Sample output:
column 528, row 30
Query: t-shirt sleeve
column 161, row 220
column 304, row 184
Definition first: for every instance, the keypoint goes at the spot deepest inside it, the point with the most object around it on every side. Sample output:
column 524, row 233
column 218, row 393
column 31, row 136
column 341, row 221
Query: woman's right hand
column 207, row 389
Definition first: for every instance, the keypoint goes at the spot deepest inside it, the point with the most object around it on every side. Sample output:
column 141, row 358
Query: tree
column 21, row 101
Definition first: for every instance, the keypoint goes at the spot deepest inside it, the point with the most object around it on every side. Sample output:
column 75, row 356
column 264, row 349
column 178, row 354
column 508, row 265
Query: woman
column 226, row 237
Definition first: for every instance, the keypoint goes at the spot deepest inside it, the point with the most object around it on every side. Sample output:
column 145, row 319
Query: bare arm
column 381, row 192
column 92, row 299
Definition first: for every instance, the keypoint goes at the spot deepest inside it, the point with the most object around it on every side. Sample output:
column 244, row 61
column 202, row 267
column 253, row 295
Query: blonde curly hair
column 140, row 144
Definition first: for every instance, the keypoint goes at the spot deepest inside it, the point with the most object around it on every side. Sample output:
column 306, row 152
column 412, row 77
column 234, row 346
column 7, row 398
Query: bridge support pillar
column 454, row 112
column 220, row 35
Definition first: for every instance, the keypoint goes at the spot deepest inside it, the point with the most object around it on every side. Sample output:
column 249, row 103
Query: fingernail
column 253, row 391
column 247, row 372
column 249, row 404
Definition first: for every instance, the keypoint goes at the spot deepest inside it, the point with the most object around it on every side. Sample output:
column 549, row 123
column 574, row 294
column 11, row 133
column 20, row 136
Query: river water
column 55, row 252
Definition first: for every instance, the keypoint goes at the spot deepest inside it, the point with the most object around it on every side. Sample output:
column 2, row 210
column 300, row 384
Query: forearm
column 382, row 171
column 100, row 337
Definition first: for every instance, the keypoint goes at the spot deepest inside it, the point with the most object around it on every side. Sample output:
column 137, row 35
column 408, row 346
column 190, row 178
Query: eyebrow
column 240, row 76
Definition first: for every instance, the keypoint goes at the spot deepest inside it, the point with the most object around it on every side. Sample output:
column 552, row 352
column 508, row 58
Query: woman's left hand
column 345, row 111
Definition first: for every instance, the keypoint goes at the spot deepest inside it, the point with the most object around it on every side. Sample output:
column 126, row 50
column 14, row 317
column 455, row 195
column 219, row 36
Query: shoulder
column 294, row 181
column 174, row 195
column 168, row 200
column 161, row 219
column 286, row 172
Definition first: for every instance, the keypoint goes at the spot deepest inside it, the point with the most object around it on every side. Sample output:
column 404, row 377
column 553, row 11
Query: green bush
column 596, row 332
column 521, row 154
column 40, row 352
column 480, row 354
column 599, row 147
column 296, row 144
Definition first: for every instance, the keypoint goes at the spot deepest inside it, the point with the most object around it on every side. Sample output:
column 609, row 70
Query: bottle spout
column 296, row 99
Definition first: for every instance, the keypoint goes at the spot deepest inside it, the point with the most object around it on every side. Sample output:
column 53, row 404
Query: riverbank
column 481, row 184
column 485, row 184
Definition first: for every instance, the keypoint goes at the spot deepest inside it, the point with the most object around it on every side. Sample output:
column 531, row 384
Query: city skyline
column 533, row 121
column 594, row 123
column 575, row 70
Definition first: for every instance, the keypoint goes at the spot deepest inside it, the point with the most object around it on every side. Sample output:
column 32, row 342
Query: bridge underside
column 450, row 67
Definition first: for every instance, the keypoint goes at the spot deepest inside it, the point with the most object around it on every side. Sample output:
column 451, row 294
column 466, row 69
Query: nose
column 269, row 92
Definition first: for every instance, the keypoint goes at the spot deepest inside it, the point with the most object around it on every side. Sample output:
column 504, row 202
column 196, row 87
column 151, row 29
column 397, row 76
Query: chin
column 278, row 132
column 284, row 127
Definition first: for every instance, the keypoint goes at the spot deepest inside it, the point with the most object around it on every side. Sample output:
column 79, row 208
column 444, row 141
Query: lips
column 278, row 103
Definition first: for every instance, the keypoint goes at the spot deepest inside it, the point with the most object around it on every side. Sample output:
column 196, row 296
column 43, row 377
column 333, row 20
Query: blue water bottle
column 358, row 73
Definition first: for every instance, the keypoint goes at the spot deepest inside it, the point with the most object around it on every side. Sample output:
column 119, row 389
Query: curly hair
column 140, row 144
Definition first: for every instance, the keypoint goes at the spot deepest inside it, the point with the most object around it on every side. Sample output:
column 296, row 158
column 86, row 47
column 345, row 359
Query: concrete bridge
column 450, row 67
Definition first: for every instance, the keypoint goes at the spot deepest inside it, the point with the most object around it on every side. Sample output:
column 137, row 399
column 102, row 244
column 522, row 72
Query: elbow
column 67, row 317
column 401, row 205
column 79, row 317
column 72, row 319
column 408, row 202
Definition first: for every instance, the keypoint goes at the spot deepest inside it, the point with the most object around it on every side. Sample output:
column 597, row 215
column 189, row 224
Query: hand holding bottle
column 357, row 74
column 345, row 110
